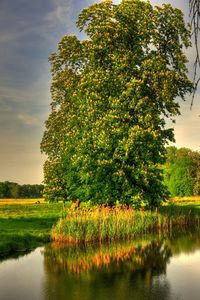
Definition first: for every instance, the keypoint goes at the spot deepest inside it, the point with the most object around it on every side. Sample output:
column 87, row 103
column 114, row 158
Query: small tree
column 106, row 135
column 182, row 171
column 196, row 188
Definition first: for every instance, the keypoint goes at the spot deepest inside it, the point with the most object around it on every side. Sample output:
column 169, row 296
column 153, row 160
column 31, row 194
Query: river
column 152, row 267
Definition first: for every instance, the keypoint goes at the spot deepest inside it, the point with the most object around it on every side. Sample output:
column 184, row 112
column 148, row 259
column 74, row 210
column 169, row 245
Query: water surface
column 153, row 267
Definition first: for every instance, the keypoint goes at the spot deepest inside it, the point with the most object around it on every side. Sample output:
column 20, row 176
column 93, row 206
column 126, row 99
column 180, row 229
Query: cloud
column 186, row 128
column 28, row 119
column 62, row 13
column 29, row 32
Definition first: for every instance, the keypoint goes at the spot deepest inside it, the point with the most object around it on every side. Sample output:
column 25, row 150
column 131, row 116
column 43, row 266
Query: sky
column 29, row 33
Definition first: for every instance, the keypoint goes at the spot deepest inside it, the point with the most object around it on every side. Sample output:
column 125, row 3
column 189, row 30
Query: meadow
column 24, row 225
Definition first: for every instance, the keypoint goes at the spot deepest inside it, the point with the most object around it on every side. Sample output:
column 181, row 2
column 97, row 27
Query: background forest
column 15, row 190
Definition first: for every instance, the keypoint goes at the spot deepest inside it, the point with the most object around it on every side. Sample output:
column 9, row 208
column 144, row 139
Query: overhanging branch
column 195, row 22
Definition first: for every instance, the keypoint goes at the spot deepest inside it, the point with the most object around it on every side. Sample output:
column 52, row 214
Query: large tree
column 111, row 94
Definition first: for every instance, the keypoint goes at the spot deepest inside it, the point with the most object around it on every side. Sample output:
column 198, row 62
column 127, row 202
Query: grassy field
column 185, row 206
column 193, row 200
column 20, row 201
column 25, row 225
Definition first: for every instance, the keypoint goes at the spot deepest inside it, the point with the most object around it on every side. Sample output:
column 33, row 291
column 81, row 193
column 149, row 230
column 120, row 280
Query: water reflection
column 130, row 270
column 123, row 269
column 154, row 268
column 15, row 255
column 127, row 256
column 184, row 241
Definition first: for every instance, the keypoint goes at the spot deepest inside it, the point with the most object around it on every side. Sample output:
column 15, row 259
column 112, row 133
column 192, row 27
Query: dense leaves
column 182, row 172
column 111, row 94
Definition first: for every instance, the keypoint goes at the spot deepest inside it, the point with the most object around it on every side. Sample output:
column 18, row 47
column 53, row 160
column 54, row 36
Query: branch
column 195, row 22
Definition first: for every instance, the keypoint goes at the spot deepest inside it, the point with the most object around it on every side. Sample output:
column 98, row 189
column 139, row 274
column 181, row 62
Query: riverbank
column 25, row 225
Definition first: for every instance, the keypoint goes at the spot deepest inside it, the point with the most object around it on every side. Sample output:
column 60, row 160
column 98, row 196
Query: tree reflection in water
column 121, row 271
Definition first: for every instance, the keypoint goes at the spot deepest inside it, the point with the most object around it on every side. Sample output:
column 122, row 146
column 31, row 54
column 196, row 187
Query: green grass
column 182, row 206
column 24, row 227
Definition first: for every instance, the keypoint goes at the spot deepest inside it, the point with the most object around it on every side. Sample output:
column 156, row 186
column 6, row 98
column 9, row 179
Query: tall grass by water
column 109, row 224
column 101, row 224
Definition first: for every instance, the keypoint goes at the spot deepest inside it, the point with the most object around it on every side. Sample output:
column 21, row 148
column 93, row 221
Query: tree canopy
column 111, row 94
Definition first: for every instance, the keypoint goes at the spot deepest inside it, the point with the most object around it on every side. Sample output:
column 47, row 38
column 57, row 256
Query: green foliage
column 181, row 172
column 14, row 190
column 105, row 136
column 3, row 190
column 196, row 187
column 31, row 191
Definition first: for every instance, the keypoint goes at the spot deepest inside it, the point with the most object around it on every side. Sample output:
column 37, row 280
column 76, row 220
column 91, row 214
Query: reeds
column 102, row 224
column 109, row 224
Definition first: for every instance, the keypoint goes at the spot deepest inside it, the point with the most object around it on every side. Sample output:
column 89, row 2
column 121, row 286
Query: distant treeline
column 182, row 172
column 15, row 190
